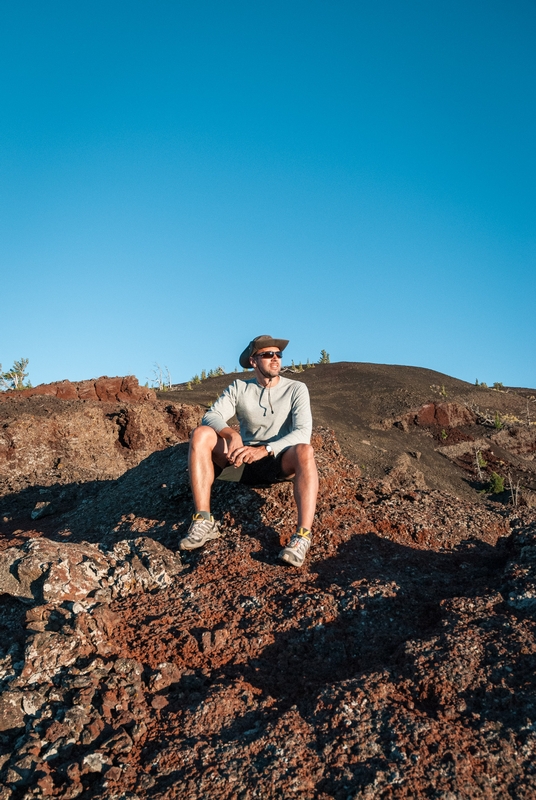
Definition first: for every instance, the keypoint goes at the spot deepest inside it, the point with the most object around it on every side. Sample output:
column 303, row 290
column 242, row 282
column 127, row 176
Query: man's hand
column 246, row 455
column 233, row 441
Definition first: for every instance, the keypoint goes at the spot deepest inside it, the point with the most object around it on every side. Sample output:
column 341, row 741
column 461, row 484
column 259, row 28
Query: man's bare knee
column 305, row 451
column 299, row 457
column 202, row 437
column 304, row 456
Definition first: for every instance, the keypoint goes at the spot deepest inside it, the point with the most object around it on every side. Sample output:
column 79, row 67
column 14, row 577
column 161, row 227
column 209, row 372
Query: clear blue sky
column 178, row 177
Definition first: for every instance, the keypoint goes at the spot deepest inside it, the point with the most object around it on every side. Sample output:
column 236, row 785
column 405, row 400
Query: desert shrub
column 324, row 357
column 496, row 484
column 497, row 421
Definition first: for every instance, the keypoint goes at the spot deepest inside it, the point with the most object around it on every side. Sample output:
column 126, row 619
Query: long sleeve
column 219, row 414
column 302, row 421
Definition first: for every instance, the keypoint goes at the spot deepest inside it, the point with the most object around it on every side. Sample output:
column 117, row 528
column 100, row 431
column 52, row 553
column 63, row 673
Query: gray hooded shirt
column 279, row 415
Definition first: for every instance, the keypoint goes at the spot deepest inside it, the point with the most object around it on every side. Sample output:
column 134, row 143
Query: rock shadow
column 386, row 595
column 151, row 499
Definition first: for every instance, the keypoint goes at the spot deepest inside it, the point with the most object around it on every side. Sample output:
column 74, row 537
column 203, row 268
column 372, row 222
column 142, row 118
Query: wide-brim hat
column 257, row 344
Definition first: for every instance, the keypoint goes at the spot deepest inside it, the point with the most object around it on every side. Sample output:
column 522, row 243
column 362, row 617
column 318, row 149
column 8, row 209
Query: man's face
column 270, row 367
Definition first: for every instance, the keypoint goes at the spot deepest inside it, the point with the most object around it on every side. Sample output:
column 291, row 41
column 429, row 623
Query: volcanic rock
column 398, row 663
column 104, row 389
column 45, row 442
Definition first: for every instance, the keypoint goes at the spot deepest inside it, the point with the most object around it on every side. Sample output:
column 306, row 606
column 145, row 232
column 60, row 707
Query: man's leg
column 299, row 460
column 206, row 449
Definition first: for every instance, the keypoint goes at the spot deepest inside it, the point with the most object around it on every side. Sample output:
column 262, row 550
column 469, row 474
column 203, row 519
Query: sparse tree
column 162, row 378
column 324, row 357
column 14, row 377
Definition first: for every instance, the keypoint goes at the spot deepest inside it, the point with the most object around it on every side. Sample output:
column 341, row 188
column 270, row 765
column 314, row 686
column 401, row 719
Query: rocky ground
column 400, row 663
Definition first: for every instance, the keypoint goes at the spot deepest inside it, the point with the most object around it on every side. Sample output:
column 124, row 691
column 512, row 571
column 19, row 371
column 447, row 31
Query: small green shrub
column 496, row 484
column 497, row 421
column 444, row 434
column 482, row 461
column 497, row 385
column 324, row 357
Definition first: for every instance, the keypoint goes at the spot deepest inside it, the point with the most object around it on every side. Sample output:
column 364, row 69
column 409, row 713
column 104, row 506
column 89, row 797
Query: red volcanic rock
column 453, row 415
column 44, row 441
column 397, row 664
column 107, row 389
column 86, row 391
column 66, row 390
column 425, row 415
column 444, row 415
column 104, row 389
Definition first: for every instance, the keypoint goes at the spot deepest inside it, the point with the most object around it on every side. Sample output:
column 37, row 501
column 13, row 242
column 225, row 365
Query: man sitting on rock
column 273, row 445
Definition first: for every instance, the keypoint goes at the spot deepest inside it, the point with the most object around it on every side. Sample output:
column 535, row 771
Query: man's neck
column 265, row 381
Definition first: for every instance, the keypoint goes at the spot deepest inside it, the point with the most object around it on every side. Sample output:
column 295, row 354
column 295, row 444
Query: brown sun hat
column 257, row 344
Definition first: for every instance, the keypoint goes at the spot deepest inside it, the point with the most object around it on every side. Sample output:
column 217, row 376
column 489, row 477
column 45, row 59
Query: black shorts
column 264, row 472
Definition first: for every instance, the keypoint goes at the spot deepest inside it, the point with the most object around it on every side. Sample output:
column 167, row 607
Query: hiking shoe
column 298, row 547
column 201, row 530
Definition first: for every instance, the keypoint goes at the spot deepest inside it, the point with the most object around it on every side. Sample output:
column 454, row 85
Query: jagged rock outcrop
column 104, row 389
column 45, row 441
column 443, row 415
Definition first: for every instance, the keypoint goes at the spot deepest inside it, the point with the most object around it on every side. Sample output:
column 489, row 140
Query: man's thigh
column 219, row 453
column 205, row 439
column 288, row 462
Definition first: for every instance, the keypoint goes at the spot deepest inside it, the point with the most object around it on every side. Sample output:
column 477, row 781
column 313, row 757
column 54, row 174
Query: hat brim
column 256, row 345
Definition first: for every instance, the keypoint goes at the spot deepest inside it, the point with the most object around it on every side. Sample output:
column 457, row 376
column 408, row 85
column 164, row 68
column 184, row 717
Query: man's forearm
column 229, row 434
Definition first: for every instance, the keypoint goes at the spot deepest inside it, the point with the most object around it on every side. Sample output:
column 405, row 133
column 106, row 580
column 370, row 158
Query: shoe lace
column 198, row 528
column 300, row 544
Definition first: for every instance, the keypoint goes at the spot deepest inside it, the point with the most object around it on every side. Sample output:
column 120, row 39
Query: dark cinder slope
column 357, row 399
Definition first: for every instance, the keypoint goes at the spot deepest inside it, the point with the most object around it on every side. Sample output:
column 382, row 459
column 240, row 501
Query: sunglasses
column 269, row 354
